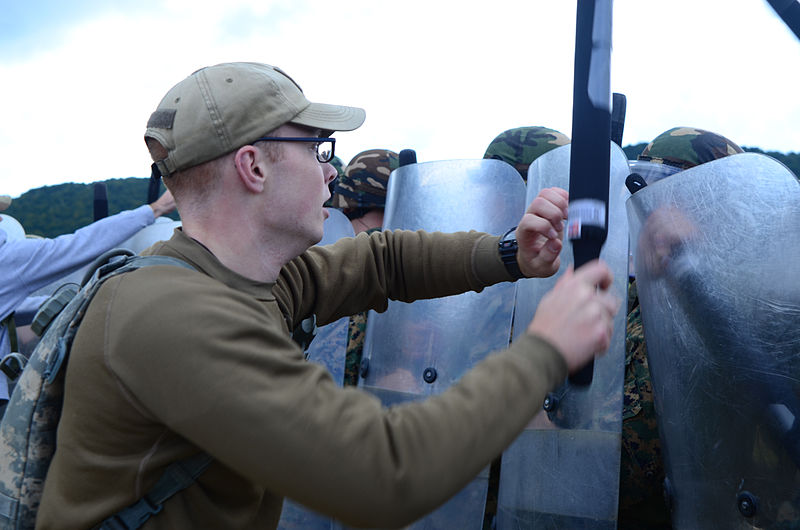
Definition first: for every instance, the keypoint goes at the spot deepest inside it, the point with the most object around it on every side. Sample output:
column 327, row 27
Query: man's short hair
column 221, row 108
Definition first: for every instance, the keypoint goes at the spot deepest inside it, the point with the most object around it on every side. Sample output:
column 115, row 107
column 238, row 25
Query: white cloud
column 441, row 77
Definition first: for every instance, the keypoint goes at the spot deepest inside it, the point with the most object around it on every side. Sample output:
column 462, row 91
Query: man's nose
column 329, row 172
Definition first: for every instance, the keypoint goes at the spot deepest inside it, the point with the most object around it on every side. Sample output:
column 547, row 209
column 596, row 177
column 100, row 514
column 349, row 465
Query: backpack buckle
column 13, row 364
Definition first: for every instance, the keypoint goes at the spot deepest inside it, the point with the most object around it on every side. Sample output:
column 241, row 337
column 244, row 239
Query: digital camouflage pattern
column 641, row 499
column 27, row 436
column 365, row 180
column 686, row 147
column 28, row 428
column 521, row 146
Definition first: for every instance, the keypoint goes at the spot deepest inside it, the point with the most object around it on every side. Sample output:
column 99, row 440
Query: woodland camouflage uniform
column 641, row 499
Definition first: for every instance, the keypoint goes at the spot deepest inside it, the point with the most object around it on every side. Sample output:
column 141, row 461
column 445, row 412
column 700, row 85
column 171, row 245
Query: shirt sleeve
column 27, row 265
column 235, row 385
column 361, row 273
column 30, row 264
column 26, row 310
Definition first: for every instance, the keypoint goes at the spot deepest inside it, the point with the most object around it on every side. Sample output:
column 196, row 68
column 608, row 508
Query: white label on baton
column 585, row 212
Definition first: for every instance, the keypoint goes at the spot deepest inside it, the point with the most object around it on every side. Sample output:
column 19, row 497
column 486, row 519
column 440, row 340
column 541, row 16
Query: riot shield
column 716, row 263
column 328, row 348
column 330, row 343
column 563, row 470
column 160, row 230
column 652, row 172
column 412, row 351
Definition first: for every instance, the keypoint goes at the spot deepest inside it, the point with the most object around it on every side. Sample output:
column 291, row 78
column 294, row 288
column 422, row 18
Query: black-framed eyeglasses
column 325, row 146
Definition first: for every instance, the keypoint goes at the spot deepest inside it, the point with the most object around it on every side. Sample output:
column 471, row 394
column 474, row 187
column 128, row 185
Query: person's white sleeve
column 26, row 265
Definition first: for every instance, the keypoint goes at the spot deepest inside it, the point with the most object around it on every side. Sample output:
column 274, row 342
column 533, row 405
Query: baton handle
column 585, row 250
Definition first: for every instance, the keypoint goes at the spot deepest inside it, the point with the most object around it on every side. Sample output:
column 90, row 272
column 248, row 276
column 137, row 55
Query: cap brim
column 330, row 117
column 5, row 202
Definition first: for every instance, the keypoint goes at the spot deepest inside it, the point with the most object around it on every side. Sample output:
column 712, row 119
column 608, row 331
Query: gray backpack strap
column 177, row 477
column 11, row 326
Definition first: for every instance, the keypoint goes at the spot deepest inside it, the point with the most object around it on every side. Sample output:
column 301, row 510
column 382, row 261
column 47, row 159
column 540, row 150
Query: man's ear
column 250, row 168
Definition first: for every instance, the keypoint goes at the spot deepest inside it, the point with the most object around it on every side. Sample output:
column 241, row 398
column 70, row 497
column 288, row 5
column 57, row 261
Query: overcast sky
column 79, row 79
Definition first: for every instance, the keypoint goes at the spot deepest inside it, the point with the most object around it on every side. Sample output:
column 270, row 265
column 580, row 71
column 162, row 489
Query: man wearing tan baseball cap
column 5, row 202
column 201, row 361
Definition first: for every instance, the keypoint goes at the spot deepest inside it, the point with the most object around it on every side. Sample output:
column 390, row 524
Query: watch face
column 508, row 245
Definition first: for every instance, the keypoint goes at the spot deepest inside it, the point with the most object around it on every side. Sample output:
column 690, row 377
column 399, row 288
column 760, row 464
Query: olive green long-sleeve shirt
column 171, row 362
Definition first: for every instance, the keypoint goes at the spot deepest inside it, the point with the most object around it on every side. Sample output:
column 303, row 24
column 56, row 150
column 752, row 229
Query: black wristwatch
column 507, row 247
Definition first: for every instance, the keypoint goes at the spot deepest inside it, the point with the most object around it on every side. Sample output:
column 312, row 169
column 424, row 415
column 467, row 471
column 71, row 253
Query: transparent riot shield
column 717, row 253
column 160, row 230
column 563, row 470
column 328, row 348
column 412, row 351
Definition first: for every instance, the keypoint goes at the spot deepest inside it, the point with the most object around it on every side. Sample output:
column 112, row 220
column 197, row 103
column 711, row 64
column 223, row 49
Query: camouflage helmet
column 365, row 179
column 521, row 146
column 685, row 147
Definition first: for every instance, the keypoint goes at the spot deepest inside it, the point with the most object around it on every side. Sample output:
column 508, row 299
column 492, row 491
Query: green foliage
column 633, row 151
column 54, row 210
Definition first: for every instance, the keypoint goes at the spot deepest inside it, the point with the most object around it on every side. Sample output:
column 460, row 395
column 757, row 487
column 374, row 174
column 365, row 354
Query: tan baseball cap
column 221, row 108
column 5, row 202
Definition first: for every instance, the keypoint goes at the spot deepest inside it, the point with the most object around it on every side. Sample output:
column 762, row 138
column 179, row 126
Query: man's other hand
column 540, row 233
column 577, row 315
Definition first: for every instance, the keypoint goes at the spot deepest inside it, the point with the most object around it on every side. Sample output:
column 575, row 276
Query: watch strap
column 507, row 248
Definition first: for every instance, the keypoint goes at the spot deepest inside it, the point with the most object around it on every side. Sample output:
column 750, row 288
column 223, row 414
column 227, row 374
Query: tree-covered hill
column 54, row 210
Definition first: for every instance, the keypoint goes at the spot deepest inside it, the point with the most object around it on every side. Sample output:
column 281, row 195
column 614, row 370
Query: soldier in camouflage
column 641, row 499
column 361, row 195
column 521, row 146
column 518, row 147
